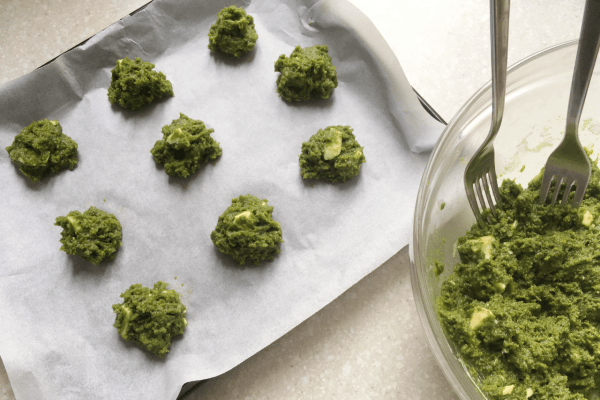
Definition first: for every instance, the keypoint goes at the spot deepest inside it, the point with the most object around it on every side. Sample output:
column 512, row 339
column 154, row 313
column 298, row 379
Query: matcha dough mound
column 233, row 33
column 247, row 232
column 150, row 317
column 42, row 149
column 186, row 145
column 332, row 154
column 135, row 85
column 94, row 235
column 307, row 73
column 522, row 305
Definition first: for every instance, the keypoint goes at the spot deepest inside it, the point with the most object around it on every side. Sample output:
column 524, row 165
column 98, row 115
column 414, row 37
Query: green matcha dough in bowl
column 151, row 318
column 307, row 73
column 247, row 232
column 522, row 304
column 332, row 154
column 94, row 235
column 186, row 146
column 42, row 149
column 134, row 84
column 233, row 33
column 510, row 308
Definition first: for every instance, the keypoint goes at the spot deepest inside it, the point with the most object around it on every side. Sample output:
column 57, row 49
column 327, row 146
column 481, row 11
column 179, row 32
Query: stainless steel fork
column 568, row 164
column 480, row 174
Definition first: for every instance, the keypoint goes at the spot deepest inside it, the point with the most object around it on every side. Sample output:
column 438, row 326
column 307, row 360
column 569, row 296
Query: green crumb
column 442, row 206
column 443, row 240
column 186, row 146
column 150, row 317
column 307, row 73
column 332, row 154
column 522, row 168
column 134, row 84
column 94, row 235
column 247, row 232
column 589, row 150
column 233, row 33
column 42, row 149
column 522, row 304
column 438, row 268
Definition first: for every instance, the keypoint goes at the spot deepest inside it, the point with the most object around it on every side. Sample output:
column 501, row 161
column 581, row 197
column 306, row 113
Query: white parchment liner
column 56, row 334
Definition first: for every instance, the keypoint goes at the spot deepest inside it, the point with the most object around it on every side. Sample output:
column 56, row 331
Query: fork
column 568, row 164
column 480, row 174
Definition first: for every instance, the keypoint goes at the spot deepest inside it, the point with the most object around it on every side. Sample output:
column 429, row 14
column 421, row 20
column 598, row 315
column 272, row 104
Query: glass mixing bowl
column 537, row 95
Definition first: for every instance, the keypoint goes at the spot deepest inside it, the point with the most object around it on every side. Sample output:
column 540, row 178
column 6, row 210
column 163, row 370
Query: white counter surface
column 369, row 342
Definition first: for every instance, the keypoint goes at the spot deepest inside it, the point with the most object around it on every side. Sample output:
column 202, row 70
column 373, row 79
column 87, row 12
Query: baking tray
column 191, row 386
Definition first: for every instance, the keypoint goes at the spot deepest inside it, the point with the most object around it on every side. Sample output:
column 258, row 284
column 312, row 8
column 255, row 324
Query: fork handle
column 499, row 13
column 589, row 42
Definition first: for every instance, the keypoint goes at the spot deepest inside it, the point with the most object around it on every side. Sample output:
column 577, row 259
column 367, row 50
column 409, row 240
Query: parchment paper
column 56, row 335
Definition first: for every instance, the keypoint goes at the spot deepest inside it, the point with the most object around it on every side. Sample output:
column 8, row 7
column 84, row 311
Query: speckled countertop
column 368, row 343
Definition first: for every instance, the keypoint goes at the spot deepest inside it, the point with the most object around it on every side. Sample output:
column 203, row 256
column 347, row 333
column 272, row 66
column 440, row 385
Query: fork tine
column 494, row 185
column 479, row 194
column 474, row 205
column 482, row 184
column 486, row 187
column 545, row 187
column 559, row 182
column 568, row 187
column 579, row 194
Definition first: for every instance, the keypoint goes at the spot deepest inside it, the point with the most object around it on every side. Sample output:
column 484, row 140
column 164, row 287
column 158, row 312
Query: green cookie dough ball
column 94, row 235
column 332, row 154
column 247, row 232
column 307, row 73
column 233, row 33
column 150, row 317
column 186, row 145
column 41, row 150
column 135, row 85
